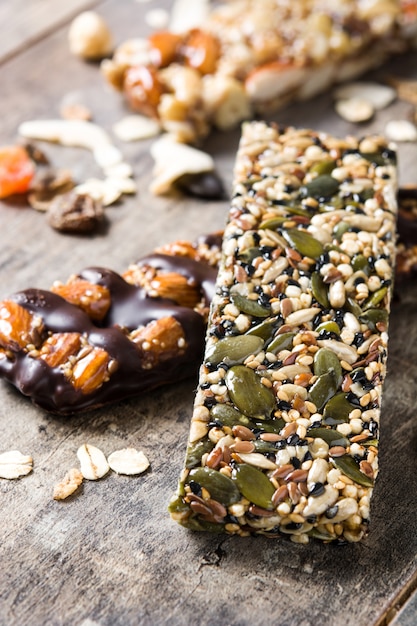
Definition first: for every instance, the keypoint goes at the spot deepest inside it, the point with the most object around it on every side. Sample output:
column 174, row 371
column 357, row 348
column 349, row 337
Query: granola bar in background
column 255, row 56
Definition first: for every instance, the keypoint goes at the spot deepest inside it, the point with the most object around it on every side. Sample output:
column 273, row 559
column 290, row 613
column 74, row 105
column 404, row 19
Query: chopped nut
column 159, row 340
column 48, row 184
column 89, row 36
column 95, row 300
column 75, row 213
column 128, row 461
column 69, row 484
column 59, row 347
column 18, row 327
column 14, row 464
column 93, row 462
column 91, row 371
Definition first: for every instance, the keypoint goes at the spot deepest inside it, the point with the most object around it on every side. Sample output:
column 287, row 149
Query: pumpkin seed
column 193, row 523
column 220, row 487
column 376, row 157
column 233, row 350
column 340, row 230
column 372, row 316
column 264, row 329
column 254, row 485
column 353, row 307
column 360, row 263
column 331, row 437
column 195, row 452
column 248, row 393
column 323, row 389
column 297, row 210
column 322, row 187
column 274, row 222
column 375, row 298
column 249, row 254
column 271, row 426
column 329, row 327
column 303, row 242
column 326, row 360
column 320, row 534
column 250, row 307
column 229, row 416
column 319, row 290
column 177, row 505
column 323, row 167
column 264, row 446
column 350, row 468
column 281, row 342
column 337, row 409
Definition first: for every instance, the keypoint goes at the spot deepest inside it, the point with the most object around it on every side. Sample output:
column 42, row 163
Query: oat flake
column 128, row 461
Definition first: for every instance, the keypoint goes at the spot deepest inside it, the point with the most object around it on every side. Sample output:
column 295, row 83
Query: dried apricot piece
column 16, row 170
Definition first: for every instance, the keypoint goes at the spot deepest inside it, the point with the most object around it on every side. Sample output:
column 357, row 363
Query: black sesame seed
column 350, row 397
column 210, row 402
column 332, row 512
column 294, row 461
column 195, row 487
column 293, row 439
column 293, row 526
column 316, row 489
column 358, row 339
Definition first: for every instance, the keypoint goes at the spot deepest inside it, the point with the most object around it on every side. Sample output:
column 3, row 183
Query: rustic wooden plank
column 111, row 554
column 406, row 616
column 26, row 21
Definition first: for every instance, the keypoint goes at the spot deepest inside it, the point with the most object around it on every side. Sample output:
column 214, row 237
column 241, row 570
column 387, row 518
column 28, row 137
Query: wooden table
column 111, row 555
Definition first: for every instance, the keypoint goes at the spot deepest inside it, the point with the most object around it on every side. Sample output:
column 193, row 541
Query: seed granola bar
column 284, row 432
column 254, row 56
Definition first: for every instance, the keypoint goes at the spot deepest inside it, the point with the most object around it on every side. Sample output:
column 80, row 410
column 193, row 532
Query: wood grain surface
column 111, row 556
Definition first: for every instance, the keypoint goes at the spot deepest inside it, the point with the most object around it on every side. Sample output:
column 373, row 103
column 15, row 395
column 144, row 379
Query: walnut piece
column 75, row 213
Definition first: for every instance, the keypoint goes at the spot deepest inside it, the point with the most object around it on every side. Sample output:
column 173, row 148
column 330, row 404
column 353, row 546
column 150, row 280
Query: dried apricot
column 16, row 170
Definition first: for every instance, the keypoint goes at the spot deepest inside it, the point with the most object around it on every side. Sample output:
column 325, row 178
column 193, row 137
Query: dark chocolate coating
column 130, row 308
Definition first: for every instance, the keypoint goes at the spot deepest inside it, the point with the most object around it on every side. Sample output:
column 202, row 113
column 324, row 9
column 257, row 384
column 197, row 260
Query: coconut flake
column 136, row 127
column 380, row 96
column 173, row 160
column 355, row 110
column 401, row 130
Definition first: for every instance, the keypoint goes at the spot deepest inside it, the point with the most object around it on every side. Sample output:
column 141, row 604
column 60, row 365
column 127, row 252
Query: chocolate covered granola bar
column 102, row 337
column 284, row 432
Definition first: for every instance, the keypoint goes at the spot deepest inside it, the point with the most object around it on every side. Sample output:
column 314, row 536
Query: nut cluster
column 284, row 433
